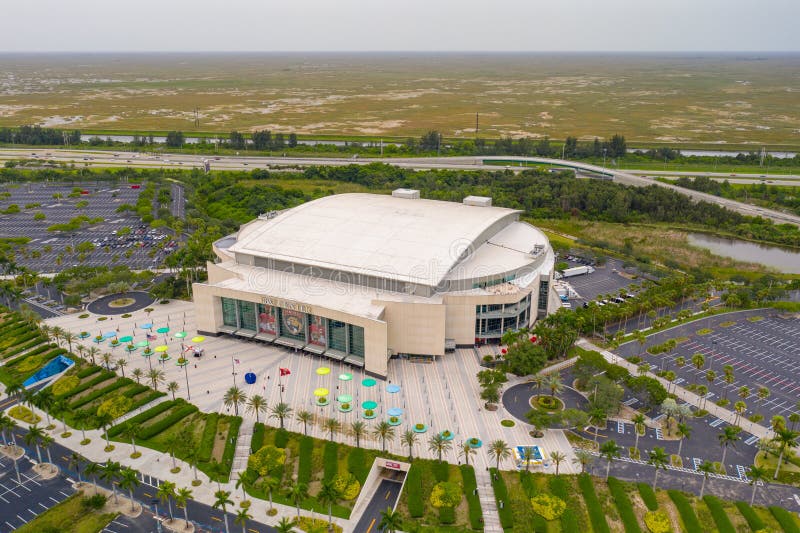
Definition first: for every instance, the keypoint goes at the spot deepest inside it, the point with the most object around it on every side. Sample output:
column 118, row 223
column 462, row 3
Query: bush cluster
column 686, row 510
column 596, row 514
column 445, row 494
column 548, row 506
column 626, row 513
column 115, row 406
column 20, row 412
column 64, row 385
column 347, row 486
column 657, row 522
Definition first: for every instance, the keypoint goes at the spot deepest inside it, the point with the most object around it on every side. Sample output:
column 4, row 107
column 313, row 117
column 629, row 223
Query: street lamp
column 604, row 158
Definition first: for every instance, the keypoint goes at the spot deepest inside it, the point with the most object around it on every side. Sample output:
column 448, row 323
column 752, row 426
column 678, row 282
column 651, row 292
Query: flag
column 285, row 371
column 237, row 361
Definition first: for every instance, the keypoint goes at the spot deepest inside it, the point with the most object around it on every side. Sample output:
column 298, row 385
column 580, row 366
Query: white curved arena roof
column 412, row 240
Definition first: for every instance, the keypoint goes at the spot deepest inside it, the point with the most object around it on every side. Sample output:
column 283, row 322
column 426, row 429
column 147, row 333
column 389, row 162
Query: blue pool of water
column 55, row 366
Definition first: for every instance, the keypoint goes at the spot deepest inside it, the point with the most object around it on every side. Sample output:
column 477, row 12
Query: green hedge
column 230, row 443
column 569, row 521
column 330, row 461
column 171, row 419
column 596, row 514
column 357, row 465
column 141, row 417
column 257, row 440
column 473, row 500
column 447, row 515
column 80, row 402
column 281, row 438
column 88, row 371
column 136, row 389
column 144, row 400
column 416, row 507
column 749, row 514
column 785, row 519
column 206, row 447
column 685, row 509
column 626, row 513
column 719, row 514
column 648, row 496
column 561, row 488
column 441, row 471
column 104, row 375
column 501, row 493
column 304, row 460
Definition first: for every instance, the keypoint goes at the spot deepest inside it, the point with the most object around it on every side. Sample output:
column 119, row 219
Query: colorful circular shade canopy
column 199, row 338
column 180, row 335
column 346, row 376
column 393, row 388
column 109, row 334
column 395, row 411
column 126, row 338
column 369, row 404
column 146, row 326
column 323, row 370
column 368, row 382
column 344, row 398
column 162, row 348
column 164, row 329
column 321, row 392
column 142, row 344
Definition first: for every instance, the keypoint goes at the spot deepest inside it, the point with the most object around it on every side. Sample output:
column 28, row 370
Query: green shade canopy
column 369, row 404
column 344, row 398
column 126, row 338
column 368, row 382
column 162, row 348
column 321, row 392
column 347, row 376
column 199, row 338
column 180, row 335
column 142, row 344
column 163, row 330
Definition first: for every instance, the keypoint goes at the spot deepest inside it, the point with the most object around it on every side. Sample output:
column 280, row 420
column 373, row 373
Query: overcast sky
column 424, row 25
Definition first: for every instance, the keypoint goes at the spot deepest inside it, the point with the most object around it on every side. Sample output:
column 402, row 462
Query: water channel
column 786, row 260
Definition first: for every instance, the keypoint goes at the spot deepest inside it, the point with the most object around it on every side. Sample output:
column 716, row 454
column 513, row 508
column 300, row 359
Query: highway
column 102, row 159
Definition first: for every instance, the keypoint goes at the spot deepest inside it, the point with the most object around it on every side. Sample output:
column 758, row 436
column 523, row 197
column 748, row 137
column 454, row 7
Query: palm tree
column 438, row 444
column 557, row 457
column 610, row 450
column 269, row 484
column 69, row 337
column 358, row 429
column 554, row 384
column 173, row 387
column 706, row 468
column 104, row 420
column 744, row 392
column 217, row 471
column 56, row 333
column 242, row 480
column 15, row 389
column 684, row 432
column 121, row 364
column 6, row 423
column 34, row 437
column 110, row 472
column 305, row 417
column 333, row 426
column 328, row 495
column 44, row 400
column 138, row 374
column 92, row 470
column 242, row 516
column 728, row 377
column 383, row 431
column 698, row 360
column 155, row 376
column 182, row 497
column 539, row 380
column 74, row 461
column 465, row 450
column 93, row 352
column 222, row 502
column 391, row 521
column 680, row 361
column 740, row 408
column 107, row 357
column 638, row 426
column 499, row 450
column 409, row 438
column 192, row 456
column 597, row 417
column 728, row 437
column 757, row 475
column 787, row 439
column 128, row 480
column 658, row 458
column 297, row 493
column 280, row 411
column 47, row 440
column 286, row 525
column 583, row 458
column 528, row 456
column 256, row 404
column 132, row 431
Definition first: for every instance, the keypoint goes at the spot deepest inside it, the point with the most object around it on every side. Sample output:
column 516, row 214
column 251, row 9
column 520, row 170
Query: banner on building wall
column 266, row 321
column 293, row 323
column 317, row 331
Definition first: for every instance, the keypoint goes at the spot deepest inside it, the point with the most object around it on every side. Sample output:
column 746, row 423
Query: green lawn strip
column 257, row 440
column 596, row 514
column 648, row 496
column 719, row 514
column 141, row 418
column 619, row 494
column 749, row 514
column 685, row 509
column 330, row 463
column 501, row 495
column 304, row 464
column 416, row 506
column 786, row 519
column 206, row 446
column 473, row 499
column 235, row 423
column 68, row 516
column 561, row 487
column 357, row 465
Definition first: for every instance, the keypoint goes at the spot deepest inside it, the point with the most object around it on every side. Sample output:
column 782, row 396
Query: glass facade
column 229, row 312
column 337, row 335
column 356, row 344
column 492, row 320
column 544, row 290
column 247, row 315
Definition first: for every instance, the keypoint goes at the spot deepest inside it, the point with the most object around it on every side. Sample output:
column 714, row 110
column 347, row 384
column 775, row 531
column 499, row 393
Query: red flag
column 237, row 361
column 285, row 371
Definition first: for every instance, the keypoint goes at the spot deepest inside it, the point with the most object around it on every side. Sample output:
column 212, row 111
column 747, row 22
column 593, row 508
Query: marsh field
column 690, row 99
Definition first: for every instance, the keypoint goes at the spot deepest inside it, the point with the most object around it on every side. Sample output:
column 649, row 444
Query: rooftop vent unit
column 408, row 194
column 478, row 201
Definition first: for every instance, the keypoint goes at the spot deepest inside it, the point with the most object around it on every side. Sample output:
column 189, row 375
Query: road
column 385, row 496
column 128, row 159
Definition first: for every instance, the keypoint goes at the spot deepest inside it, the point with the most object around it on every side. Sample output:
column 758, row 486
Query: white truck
column 577, row 271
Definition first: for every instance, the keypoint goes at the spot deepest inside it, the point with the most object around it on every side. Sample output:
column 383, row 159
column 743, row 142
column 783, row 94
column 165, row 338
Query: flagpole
column 233, row 371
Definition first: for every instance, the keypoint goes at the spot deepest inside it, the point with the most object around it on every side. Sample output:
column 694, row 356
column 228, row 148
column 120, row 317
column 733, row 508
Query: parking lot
column 19, row 504
column 763, row 353
column 606, row 279
column 114, row 238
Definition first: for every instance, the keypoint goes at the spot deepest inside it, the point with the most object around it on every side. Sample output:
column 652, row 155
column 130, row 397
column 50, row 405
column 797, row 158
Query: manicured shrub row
column 136, row 389
column 304, row 460
column 80, row 402
column 230, row 442
column 44, row 348
column 103, row 376
column 257, row 440
column 473, row 500
column 719, row 514
column 88, row 371
column 596, row 514
column 38, row 354
column 690, row 521
column 356, row 465
column 501, row 494
column 526, row 479
column 648, row 496
column 785, row 519
column 281, row 438
column 24, row 345
column 749, row 514
column 144, row 400
column 181, row 411
column 447, row 515
column 330, row 456
column 569, row 522
column 441, row 471
column 560, row 487
column 207, row 439
column 416, row 507
column 141, row 417
column 624, row 506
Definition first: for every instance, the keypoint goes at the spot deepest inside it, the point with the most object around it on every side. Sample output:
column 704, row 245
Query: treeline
column 756, row 193
column 36, row 135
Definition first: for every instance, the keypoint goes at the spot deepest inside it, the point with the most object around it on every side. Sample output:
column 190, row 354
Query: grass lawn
column 68, row 516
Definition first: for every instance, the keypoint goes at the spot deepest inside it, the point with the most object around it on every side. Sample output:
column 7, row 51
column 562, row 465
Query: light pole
column 604, row 158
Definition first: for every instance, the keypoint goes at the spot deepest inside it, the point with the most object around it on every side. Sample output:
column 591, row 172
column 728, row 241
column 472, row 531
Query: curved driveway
column 516, row 399
column 102, row 306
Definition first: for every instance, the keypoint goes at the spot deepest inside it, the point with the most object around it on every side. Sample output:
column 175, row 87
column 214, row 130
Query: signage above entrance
column 286, row 304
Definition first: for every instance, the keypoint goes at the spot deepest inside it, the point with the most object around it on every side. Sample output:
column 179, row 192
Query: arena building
column 362, row 278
